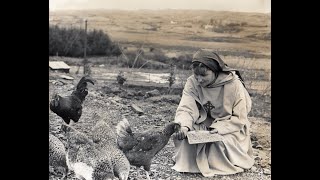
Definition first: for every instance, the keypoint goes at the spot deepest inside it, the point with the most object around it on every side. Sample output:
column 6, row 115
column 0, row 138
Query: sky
column 261, row 6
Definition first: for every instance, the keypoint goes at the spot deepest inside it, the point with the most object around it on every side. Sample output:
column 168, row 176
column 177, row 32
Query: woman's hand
column 182, row 133
column 213, row 131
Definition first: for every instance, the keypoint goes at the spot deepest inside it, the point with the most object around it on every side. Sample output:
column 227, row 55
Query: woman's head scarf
column 213, row 61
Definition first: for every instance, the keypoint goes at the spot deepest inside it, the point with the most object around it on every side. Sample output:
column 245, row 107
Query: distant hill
column 179, row 30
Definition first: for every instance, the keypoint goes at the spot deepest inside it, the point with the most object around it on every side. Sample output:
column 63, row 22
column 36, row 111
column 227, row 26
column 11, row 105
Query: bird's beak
column 177, row 126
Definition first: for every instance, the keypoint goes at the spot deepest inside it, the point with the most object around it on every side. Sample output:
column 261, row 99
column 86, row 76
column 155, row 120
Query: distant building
column 208, row 27
column 173, row 22
column 59, row 66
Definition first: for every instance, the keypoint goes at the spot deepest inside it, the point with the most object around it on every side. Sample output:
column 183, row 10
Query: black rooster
column 70, row 107
column 140, row 148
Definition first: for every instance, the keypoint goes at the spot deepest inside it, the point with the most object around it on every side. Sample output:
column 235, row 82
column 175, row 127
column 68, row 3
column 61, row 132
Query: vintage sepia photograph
column 160, row 89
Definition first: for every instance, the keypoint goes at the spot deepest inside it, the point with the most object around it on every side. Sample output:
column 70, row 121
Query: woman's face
column 205, row 78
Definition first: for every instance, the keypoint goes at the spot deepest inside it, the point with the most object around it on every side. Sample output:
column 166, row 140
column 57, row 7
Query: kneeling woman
column 214, row 99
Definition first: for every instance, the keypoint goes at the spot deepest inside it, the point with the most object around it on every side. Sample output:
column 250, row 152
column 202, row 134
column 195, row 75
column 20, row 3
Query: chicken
column 105, row 139
column 57, row 155
column 84, row 158
column 70, row 107
column 141, row 147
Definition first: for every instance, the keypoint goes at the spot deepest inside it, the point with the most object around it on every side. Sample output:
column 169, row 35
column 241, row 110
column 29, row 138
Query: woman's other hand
column 213, row 131
column 182, row 133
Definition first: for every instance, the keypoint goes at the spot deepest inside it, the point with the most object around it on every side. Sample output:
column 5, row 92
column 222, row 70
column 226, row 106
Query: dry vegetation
column 242, row 39
column 177, row 30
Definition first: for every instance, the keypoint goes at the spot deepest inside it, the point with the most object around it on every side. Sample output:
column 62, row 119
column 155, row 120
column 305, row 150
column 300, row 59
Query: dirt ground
column 114, row 103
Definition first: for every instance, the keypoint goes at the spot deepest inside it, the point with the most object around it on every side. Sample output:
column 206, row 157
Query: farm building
column 59, row 66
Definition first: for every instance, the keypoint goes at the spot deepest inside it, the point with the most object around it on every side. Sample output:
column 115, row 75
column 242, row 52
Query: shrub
column 70, row 42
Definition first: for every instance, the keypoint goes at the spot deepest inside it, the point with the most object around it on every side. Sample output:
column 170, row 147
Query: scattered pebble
column 266, row 171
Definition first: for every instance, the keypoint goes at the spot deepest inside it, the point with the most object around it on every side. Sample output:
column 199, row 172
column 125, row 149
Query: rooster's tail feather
column 82, row 90
column 83, row 82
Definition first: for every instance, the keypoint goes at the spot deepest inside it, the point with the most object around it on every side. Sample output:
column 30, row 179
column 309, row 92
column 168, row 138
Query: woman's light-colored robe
column 231, row 104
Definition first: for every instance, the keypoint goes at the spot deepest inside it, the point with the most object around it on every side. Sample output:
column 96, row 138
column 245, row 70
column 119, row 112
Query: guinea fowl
column 84, row 158
column 57, row 155
column 105, row 139
column 141, row 147
column 70, row 107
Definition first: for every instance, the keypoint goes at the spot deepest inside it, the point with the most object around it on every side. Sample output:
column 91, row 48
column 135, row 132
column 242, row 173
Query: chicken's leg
column 71, row 123
column 51, row 170
column 147, row 173
column 65, row 176
column 138, row 173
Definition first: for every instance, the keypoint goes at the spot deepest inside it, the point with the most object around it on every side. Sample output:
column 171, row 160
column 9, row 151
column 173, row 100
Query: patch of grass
column 216, row 39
